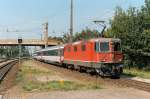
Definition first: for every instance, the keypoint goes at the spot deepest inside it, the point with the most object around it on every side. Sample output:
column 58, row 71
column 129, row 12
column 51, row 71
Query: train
column 102, row 56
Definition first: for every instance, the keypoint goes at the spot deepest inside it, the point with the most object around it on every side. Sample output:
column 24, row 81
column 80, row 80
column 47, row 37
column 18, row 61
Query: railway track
column 4, row 69
column 3, row 60
column 122, row 82
column 133, row 84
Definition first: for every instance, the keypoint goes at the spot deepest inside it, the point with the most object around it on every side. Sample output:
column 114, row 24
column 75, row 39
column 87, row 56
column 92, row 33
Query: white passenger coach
column 50, row 54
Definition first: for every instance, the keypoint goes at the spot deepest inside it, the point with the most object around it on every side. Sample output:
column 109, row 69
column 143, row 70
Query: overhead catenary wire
column 107, row 15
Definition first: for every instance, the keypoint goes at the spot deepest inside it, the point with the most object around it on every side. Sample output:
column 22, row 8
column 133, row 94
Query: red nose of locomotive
column 109, row 52
column 117, row 55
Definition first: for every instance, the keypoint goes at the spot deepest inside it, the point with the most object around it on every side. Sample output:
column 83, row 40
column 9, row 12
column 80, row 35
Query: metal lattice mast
column 71, row 21
column 46, row 34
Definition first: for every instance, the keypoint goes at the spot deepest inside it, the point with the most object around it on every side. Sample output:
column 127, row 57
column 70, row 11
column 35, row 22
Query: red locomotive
column 102, row 56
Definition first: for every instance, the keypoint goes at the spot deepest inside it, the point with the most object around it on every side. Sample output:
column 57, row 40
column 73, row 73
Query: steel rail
column 4, row 69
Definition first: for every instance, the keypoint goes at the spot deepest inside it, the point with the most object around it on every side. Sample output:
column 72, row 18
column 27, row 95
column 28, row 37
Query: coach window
column 83, row 47
column 55, row 53
column 49, row 53
column 42, row 53
column 45, row 53
column 75, row 48
column 104, row 46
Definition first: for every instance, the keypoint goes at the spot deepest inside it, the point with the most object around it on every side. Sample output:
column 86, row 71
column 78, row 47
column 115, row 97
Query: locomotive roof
column 106, row 39
column 99, row 39
column 52, row 48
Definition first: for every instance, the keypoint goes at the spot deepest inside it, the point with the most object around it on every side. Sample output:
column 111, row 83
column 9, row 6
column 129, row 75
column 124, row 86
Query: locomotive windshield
column 102, row 46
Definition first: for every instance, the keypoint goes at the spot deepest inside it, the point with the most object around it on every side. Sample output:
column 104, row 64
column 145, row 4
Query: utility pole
column 19, row 54
column 46, row 34
column 71, row 21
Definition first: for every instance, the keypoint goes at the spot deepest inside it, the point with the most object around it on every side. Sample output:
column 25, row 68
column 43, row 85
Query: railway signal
column 19, row 40
column 19, row 44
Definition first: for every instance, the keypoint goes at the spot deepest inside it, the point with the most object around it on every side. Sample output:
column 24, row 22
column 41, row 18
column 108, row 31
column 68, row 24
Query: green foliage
column 133, row 28
column 55, row 38
column 136, row 73
column 12, row 51
column 83, row 35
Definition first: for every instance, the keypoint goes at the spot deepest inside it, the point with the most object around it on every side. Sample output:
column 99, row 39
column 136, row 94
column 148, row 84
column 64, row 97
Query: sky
column 27, row 16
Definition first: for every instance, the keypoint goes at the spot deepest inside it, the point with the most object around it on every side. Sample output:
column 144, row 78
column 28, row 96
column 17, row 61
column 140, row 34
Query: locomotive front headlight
column 121, row 65
column 120, row 59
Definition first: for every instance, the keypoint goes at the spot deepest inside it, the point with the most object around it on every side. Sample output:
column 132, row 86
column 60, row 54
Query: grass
column 20, row 77
column 137, row 73
column 26, row 70
column 30, row 85
column 57, row 85
column 30, row 70
column 52, row 85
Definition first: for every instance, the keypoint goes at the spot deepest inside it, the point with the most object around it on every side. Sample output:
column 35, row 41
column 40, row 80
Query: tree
column 133, row 28
column 85, row 34
column 13, row 51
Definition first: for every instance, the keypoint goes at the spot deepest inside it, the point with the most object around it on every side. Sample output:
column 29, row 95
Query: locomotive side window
column 75, row 48
column 69, row 49
column 104, row 46
column 83, row 47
